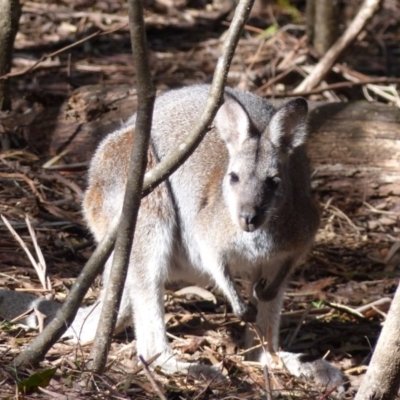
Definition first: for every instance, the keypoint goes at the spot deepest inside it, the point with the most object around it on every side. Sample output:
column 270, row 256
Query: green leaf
column 271, row 30
column 291, row 10
column 318, row 304
column 36, row 380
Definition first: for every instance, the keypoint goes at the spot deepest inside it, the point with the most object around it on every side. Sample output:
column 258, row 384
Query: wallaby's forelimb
column 267, row 291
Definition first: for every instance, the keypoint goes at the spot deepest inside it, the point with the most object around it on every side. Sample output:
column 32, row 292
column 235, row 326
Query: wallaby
column 240, row 205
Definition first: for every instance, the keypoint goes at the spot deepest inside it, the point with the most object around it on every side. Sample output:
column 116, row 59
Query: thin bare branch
column 38, row 266
column 41, row 264
column 130, row 208
column 172, row 162
column 150, row 377
column 338, row 85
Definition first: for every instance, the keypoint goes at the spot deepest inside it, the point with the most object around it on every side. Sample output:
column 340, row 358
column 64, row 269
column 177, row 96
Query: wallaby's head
column 256, row 177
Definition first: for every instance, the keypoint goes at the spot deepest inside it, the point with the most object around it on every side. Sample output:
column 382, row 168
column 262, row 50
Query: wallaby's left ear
column 232, row 123
column 288, row 128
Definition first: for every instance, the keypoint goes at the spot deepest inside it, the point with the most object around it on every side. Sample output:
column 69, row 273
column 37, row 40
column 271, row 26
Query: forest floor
column 335, row 304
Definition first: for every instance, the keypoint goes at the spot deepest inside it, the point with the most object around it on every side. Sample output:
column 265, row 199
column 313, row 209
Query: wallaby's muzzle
column 250, row 218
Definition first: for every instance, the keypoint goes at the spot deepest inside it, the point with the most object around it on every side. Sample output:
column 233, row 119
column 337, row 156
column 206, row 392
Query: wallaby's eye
column 273, row 182
column 234, row 177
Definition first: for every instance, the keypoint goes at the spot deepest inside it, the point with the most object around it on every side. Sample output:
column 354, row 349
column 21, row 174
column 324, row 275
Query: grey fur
column 14, row 304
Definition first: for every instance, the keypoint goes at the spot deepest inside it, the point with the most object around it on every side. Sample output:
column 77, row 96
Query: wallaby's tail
column 14, row 304
column 83, row 329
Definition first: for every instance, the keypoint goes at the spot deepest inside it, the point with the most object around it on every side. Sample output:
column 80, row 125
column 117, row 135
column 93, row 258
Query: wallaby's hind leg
column 150, row 263
column 84, row 327
column 148, row 272
column 147, row 276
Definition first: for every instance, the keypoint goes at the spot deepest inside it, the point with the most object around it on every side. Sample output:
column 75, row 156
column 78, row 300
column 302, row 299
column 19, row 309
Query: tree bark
column 325, row 25
column 355, row 148
column 382, row 380
column 9, row 18
column 310, row 20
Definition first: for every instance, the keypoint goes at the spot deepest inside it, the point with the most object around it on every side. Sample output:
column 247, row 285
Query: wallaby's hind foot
column 170, row 365
column 14, row 304
column 206, row 372
column 312, row 369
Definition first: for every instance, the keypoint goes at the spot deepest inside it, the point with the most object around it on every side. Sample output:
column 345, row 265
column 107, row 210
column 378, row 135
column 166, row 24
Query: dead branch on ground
column 341, row 85
column 367, row 10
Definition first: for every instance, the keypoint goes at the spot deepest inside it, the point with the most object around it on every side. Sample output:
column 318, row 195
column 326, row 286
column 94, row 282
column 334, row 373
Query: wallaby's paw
column 319, row 371
column 194, row 370
column 262, row 291
column 75, row 336
column 248, row 313
column 70, row 337
column 206, row 372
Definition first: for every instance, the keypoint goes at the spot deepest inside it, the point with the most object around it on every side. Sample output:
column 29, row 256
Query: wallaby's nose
column 249, row 220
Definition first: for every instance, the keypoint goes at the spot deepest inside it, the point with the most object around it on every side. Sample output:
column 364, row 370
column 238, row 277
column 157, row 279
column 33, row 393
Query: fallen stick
column 367, row 10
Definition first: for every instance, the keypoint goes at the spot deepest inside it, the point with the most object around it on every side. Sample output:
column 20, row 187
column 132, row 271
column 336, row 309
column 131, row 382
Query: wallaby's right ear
column 232, row 123
column 288, row 128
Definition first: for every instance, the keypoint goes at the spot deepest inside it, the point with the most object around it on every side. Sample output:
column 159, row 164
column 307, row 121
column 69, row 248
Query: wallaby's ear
column 287, row 128
column 232, row 123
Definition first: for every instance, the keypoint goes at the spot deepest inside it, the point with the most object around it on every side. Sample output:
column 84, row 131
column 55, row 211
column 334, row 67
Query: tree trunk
column 325, row 25
column 9, row 18
column 382, row 380
column 322, row 24
column 310, row 21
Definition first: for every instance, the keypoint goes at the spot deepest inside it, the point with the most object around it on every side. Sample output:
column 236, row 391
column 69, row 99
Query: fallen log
column 354, row 147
